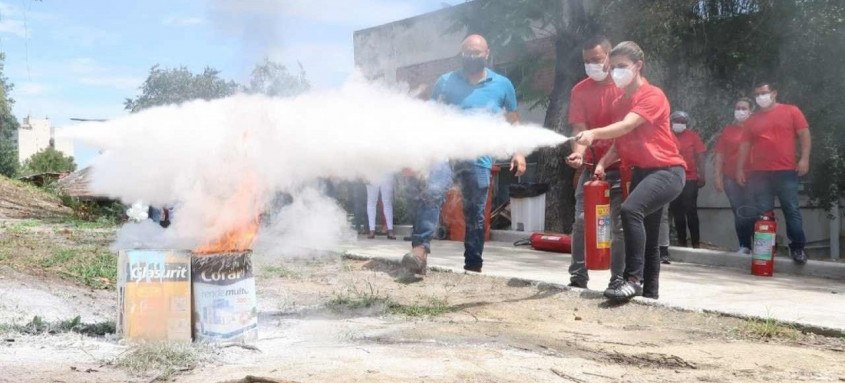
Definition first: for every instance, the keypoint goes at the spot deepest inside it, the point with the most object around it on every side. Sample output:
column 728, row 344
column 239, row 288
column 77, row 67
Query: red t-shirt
column 591, row 103
column 690, row 144
column 771, row 134
column 652, row 144
column 728, row 147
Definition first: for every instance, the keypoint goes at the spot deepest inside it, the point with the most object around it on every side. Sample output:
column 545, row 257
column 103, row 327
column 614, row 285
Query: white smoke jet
column 198, row 154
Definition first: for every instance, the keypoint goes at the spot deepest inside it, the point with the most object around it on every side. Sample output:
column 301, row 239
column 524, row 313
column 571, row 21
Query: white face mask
column 741, row 115
column 679, row 128
column 595, row 71
column 765, row 100
column 622, row 77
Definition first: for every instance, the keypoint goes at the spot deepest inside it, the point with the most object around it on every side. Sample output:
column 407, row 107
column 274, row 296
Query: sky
column 82, row 59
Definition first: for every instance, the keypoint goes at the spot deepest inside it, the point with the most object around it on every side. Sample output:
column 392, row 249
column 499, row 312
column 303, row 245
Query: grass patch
column 38, row 326
column 22, row 226
column 768, row 328
column 97, row 223
column 433, row 307
column 163, row 359
column 355, row 299
column 279, row 272
column 59, row 257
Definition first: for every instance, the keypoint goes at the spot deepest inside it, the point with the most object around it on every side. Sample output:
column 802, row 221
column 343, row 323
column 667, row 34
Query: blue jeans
column 765, row 186
column 474, row 182
column 578, row 269
column 742, row 205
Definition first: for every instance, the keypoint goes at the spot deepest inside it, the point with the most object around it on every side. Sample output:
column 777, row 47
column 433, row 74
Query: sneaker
column 614, row 284
column 743, row 251
column 414, row 264
column 624, row 291
column 664, row 255
column 474, row 269
column 578, row 284
column 799, row 256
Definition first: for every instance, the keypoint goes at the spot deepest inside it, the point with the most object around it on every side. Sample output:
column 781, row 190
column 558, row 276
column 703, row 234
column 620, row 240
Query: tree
column 175, row 86
column 48, row 160
column 509, row 25
column 8, row 126
column 273, row 79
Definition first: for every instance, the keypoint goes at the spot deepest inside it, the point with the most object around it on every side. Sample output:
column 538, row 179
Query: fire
column 240, row 235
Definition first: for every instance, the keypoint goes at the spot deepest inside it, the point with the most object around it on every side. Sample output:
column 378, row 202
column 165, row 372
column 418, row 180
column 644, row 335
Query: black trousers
column 651, row 190
column 684, row 210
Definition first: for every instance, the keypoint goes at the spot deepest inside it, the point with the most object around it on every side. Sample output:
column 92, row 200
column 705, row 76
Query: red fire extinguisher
column 597, row 224
column 554, row 242
column 765, row 247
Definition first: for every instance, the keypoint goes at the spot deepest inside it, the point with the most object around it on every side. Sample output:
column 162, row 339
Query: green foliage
column 8, row 126
column 48, row 160
column 176, row 85
column 94, row 214
column 273, row 79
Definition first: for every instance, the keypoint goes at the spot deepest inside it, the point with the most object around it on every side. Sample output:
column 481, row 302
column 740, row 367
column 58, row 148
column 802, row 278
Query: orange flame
column 242, row 235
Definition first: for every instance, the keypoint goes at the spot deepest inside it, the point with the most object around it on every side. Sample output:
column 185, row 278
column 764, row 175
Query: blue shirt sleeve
column 437, row 92
column 510, row 97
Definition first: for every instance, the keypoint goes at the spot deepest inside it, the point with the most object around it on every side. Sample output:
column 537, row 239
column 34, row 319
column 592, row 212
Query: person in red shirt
column 684, row 209
column 643, row 141
column 590, row 106
column 725, row 162
column 768, row 147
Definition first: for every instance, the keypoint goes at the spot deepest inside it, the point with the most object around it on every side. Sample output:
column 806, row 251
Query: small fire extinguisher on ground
column 597, row 224
column 765, row 246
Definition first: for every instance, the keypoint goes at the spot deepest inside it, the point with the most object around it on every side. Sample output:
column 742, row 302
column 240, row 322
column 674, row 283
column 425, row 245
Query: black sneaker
column 578, row 284
column 623, row 292
column 664, row 255
column 799, row 256
column 474, row 269
column 614, row 284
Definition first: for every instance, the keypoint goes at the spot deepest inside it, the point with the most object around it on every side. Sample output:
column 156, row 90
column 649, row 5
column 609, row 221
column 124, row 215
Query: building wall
column 34, row 135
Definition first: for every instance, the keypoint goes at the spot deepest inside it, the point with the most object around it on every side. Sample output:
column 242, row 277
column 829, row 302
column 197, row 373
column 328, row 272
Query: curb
column 595, row 294
column 783, row 265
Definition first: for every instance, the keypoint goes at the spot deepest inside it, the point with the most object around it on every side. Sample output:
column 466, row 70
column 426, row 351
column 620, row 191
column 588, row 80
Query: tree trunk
column 560, row 199
column 575, row 26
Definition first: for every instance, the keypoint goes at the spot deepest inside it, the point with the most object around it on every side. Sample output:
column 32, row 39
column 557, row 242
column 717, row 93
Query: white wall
column 34, row 135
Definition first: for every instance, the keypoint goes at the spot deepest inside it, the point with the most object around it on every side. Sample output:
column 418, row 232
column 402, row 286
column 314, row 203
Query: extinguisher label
column 550, row 238
column 763, row 245
column 602, row 226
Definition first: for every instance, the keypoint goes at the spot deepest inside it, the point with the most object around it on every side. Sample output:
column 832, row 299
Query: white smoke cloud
column 198, row 155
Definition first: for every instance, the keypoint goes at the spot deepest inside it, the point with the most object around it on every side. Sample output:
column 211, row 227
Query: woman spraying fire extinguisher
column 644, row 142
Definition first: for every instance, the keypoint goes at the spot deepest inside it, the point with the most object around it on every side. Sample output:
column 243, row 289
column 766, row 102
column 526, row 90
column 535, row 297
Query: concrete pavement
column 799, row 299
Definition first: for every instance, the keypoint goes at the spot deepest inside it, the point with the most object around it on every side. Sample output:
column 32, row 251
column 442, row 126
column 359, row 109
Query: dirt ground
column 327, row 319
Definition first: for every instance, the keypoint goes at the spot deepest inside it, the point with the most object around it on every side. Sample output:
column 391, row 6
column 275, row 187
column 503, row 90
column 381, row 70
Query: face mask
column 742, row 115
column 622, row 77
column 595, row 71
column 765, row 100
column 679, row 128
column 473, row 64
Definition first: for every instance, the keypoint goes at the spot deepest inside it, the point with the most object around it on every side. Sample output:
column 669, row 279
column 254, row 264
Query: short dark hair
column 763, row 83
column 592, row 42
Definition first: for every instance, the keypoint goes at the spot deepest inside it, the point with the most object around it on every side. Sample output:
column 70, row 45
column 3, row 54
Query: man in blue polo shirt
column 473, row 87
